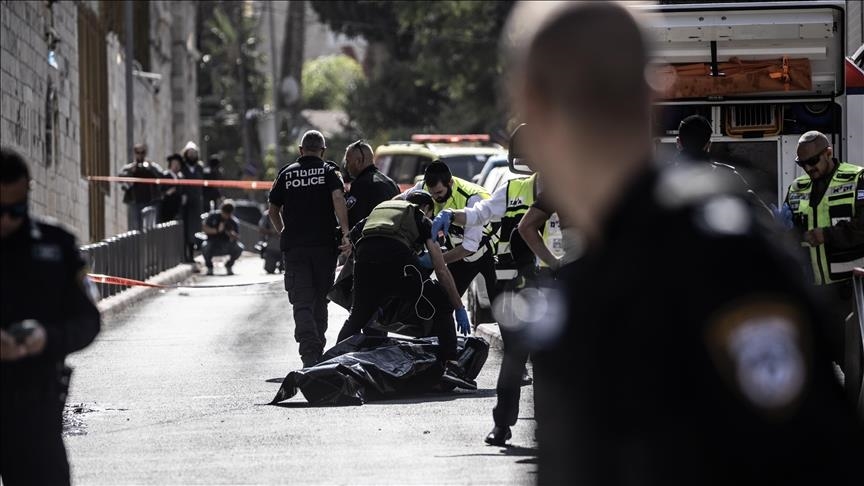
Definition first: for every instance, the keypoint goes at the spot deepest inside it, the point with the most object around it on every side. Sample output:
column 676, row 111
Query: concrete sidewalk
column 117, row 303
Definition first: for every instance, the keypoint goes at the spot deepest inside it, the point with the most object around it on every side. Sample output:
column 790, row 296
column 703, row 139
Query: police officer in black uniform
column 683, row 346
column 386, row 266
column 307, row 206
column 368, row 185
column 40, row 265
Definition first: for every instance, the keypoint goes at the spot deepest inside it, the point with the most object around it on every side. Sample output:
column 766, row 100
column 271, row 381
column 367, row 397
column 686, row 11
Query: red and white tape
column 233, row 184
column 129, row 282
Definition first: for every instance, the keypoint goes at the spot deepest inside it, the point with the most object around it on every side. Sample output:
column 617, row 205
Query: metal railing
column 855, row 345
column 137, row 255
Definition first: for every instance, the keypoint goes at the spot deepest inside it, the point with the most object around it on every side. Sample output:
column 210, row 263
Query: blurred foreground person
column 46, row 312
column 686, row 348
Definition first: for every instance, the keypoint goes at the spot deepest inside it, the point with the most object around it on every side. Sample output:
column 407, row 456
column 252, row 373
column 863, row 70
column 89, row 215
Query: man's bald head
column 587, row 59
column 815, row 140
column 814, row 155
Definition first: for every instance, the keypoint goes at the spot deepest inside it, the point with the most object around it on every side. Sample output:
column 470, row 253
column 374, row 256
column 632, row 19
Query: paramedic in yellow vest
column 509, row 203
column 827, row 207
column 469, row 248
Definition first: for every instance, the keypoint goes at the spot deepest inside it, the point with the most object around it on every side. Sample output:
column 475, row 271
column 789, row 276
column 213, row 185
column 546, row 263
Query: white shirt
column 473, row 233
column 487, row 210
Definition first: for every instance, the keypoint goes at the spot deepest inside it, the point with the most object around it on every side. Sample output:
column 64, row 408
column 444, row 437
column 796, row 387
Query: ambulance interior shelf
column 737, row 51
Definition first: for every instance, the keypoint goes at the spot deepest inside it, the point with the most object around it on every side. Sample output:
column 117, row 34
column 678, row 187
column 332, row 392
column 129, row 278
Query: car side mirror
column 518, row 165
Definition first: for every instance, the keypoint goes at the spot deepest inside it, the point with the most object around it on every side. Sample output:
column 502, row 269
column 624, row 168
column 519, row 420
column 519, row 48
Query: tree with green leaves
column 434, row 65
column 231, row 84
column 328, row 80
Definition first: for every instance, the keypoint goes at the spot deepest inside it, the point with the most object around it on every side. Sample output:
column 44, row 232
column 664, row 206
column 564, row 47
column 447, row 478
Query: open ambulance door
column 763, row 73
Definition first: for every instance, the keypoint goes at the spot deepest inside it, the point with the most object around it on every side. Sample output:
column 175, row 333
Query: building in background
column 63, row 96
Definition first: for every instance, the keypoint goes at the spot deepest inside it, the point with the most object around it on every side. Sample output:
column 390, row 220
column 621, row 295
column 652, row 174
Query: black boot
column 499, row 436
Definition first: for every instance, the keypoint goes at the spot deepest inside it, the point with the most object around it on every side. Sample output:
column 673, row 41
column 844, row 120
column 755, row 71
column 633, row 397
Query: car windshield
column 465, row 166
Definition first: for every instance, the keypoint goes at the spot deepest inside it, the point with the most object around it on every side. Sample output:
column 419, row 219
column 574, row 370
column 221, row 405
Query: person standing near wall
column 172, row 195
column 138, row 196
column 192, row 169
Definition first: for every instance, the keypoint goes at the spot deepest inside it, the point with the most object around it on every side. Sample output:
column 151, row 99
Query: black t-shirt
column 42, row 280
column 214, row 219
column 691, row 352
column 369, row 189
column 304, row 190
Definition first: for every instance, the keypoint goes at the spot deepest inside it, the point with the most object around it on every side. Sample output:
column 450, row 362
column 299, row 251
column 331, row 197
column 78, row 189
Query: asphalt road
column 175, row 391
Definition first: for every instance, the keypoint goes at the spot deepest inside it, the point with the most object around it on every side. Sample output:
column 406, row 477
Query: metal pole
column 275, row 84
column 244, row 107
column 130, row 87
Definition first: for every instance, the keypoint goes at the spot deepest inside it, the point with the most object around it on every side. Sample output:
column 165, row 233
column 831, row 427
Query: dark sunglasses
column 812, row 160
column 17, row 210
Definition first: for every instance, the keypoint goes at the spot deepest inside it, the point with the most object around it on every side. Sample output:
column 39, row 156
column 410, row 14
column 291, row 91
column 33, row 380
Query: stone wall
column 165, row 110
column 26, row 81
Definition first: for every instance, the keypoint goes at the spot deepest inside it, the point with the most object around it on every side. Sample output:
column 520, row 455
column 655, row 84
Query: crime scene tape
column 168, row 181
column 129, row 282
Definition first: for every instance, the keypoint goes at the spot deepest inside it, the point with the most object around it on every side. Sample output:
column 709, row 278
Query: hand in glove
column 425, row 260
column 441, row 223
column 783, row 215
column 462, row 321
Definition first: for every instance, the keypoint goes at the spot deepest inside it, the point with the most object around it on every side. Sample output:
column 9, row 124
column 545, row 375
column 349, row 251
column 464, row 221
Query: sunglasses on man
column 15, row 211
column 812, row 160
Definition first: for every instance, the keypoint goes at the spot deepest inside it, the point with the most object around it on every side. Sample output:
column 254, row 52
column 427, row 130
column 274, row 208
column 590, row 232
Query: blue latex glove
column 425, row 260
column 462, row 321
column 441, row 223
column 783, row 215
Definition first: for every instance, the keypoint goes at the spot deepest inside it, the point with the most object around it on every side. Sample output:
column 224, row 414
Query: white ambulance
column 763, row 73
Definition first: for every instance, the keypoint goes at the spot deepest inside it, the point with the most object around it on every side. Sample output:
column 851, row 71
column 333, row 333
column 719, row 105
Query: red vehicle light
column 449, row 138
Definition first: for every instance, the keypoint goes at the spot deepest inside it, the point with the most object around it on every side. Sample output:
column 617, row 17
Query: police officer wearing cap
column 307, row 207
column 369, row 186
column 683, row 346
column 40, row 265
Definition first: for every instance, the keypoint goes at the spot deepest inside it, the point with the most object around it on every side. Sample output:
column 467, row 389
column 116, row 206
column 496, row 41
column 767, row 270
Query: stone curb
column 117, row 303
column 490, row 333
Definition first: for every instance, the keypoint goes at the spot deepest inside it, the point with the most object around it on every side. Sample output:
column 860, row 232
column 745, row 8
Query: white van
column 807, row 81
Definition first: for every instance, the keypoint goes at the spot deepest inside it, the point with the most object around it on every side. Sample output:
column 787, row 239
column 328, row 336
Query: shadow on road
column 436, row 397
column 275, row 380
column 406, row 400
column 508, row 450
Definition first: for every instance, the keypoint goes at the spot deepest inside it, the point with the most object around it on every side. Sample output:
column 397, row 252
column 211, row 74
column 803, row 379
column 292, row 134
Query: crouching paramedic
column 386, row 266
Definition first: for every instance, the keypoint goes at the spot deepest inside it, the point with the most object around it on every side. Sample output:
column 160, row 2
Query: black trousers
column 309, row 274
column 213, row 248
column 31, row 448
column 464, row 272
column 380, row 275
column 509, row 387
